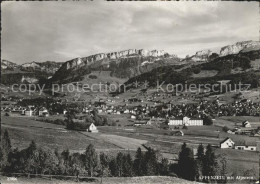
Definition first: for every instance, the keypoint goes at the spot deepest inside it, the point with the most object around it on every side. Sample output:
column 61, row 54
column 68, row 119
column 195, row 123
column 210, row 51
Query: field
column 237, row 120
column 241, row 162
column 23, row 130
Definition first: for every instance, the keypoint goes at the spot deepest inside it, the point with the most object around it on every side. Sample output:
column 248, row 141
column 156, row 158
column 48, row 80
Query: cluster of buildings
column 245, row 129
column 27, row 111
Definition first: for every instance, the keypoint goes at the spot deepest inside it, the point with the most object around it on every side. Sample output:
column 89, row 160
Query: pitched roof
column 225, row 140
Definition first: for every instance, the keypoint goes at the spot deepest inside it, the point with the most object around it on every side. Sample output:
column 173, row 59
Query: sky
column 60, row 31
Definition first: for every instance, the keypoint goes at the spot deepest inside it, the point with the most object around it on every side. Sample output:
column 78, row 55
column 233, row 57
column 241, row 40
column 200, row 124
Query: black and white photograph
column 130, row 92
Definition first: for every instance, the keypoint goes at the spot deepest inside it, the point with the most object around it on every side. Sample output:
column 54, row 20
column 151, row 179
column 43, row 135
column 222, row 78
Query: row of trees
column 73, row 123
column 42, row 160
column 191, row 169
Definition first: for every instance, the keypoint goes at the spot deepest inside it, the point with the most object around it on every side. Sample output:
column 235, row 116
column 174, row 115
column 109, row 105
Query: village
column 160, row 115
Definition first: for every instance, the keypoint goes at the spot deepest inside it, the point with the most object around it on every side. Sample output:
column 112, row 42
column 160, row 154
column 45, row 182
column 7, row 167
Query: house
column 109, row 111
column 43, row 112
column 126, row 111
column 133, row 117
column 227, row 143
column 178, row 133
column 230, row 132
column 92, row 128
column 27, row 112
column 246, row 124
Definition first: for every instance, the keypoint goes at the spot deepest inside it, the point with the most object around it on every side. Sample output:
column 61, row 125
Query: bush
column 6, row 114
column 80, row 126
column 59, row 122
column 196, row 70
column 208, row 120
column 225, row 128
column 113, row 124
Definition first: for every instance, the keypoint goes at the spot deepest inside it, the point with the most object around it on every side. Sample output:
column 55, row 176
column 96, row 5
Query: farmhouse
column 186, row 121
column 178, row 133
column 230, row 132
column 246, row 124
column 27, row 112
column 92, row 128
column 227, row 143
column 133, row 117
column 43, row 112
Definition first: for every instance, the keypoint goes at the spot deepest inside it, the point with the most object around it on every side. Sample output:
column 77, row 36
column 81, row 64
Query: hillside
column 235, row 67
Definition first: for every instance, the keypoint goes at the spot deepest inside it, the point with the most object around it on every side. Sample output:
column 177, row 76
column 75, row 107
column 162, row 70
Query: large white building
column 186, row 121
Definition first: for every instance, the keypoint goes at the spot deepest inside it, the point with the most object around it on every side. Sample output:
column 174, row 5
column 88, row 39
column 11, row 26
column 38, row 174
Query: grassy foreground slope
column 107, row 180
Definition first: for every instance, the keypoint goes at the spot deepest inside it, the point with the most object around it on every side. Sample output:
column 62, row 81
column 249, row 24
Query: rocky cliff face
column 122, row 64
column 5, row 64
column 237, row 47
column 78, row 62
column 49, row 67
column 200, row 56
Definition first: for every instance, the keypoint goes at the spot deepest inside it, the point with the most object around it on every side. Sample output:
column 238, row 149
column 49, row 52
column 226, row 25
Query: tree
column 127, row 165
column 186, row 164
column 48, row 161
column 196, row 70
column 200, row 153
column 208, row 120
column 150, row 161
column 164, row 167
column 71, row 114
column 32, row 164
column 104, row 164
column 199, row 161
column 120, row 162
column 223, row 168
column 113, row 167
column 76, row 164
column 5, row 149
column 138, row 163
column 225, row 128
column 91, row 160
column 209, row 162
